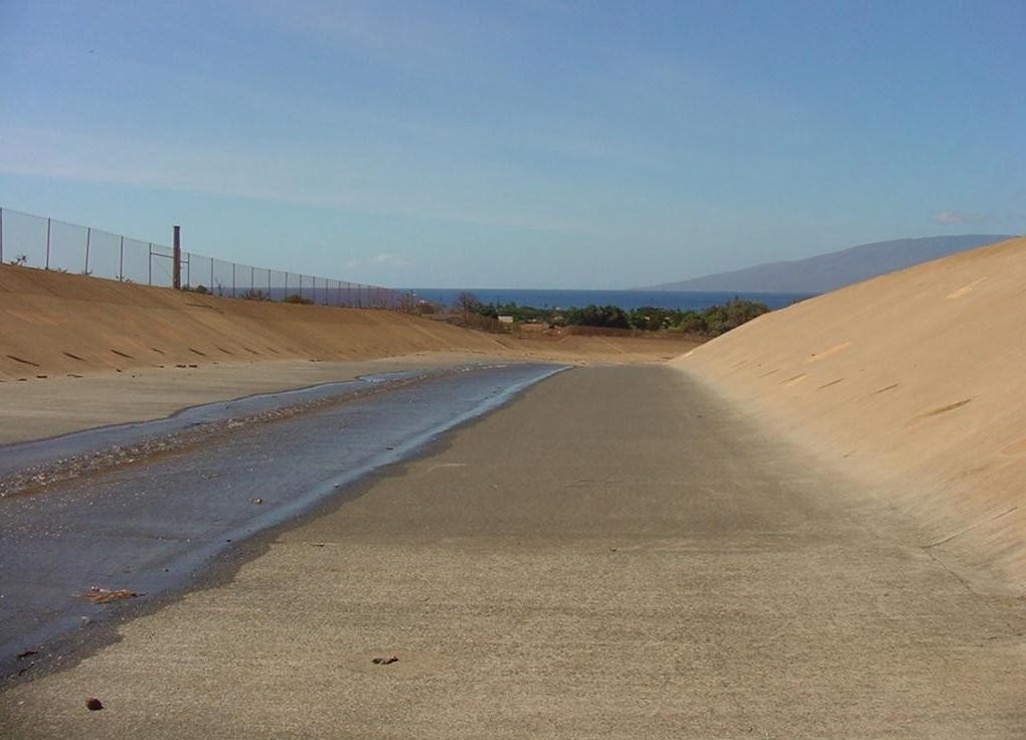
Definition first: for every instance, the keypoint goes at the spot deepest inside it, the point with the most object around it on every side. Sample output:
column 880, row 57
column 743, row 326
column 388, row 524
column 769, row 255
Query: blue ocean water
column 625, row 299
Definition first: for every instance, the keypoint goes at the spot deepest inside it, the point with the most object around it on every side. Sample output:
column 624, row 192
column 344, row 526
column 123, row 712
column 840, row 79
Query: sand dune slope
column 914, row 382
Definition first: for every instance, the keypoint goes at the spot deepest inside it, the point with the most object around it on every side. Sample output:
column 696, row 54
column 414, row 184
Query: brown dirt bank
column 59, row 324
column 912, row 382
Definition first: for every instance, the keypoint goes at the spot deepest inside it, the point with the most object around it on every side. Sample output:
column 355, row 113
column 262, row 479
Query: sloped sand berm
column 54, row 325
column 914, row 382
column 58, row 324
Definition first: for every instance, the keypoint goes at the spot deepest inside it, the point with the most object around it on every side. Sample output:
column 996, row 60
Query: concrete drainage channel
column 90, row 545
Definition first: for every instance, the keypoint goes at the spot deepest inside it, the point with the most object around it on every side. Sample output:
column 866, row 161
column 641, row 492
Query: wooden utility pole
column 178, row 258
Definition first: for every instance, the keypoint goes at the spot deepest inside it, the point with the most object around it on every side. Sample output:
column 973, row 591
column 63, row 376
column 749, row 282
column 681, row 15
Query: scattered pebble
column 93, row 704
column 385, row 661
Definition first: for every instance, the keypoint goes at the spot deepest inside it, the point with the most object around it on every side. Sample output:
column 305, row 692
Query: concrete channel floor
column 616, row 554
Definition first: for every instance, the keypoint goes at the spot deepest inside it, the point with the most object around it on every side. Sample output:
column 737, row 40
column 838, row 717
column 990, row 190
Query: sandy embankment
column 78, row 352
column 913, row 383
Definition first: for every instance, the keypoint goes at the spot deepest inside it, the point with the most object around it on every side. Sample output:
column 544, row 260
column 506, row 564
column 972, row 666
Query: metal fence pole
column 89, row 236
column 121, row 260
column 149, row 267
column 211, row 286
column 176, row 257
column 46, row 264
column 233, row 281
column 252, row 278
column 1, row 236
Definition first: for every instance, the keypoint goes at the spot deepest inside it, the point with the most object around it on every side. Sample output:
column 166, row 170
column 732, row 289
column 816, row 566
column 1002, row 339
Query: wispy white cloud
column 380, row 260
column 406, row 35
column 392, row 187
column 958, row 217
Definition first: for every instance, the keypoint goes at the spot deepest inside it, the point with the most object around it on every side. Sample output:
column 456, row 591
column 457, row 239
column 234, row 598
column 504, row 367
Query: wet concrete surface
column 18, row 457
column 151, row 527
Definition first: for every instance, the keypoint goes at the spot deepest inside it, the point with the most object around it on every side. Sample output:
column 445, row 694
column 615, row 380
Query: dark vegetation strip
column 709, row 322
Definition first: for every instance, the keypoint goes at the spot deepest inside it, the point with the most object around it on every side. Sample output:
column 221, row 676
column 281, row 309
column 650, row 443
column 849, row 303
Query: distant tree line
column 711, row 321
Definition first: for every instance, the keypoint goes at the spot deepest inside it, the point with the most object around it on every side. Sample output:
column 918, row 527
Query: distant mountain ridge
column 827, row 272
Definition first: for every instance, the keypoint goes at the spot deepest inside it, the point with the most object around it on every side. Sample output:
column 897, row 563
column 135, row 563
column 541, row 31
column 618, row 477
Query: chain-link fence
column 49, row 244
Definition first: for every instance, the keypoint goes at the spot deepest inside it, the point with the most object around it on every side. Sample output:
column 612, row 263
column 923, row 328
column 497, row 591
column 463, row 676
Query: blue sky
column 516, row 143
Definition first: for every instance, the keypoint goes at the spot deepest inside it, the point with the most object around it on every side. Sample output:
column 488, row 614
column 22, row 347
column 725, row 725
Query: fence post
column 233, row 281
column 89, row 238
column 176, row 270
column 211, row 286
column 252, row 278
column 1, row 236
column 149, row 267
column 121, row 260
column 46, row 264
